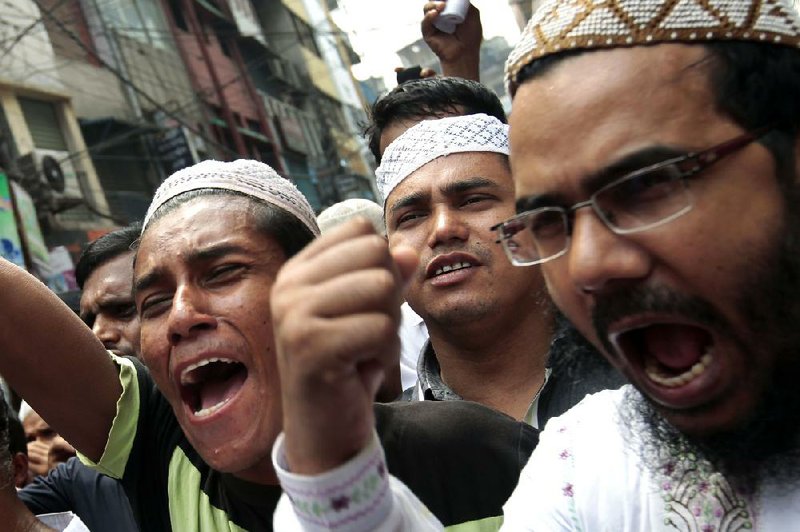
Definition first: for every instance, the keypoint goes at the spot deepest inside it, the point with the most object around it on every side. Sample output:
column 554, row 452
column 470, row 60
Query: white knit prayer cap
column 245, row 176
column 431, row 139
column 339, row 213
column 561, row 25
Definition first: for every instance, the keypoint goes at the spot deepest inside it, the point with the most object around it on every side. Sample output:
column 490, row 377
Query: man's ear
column 20, row 464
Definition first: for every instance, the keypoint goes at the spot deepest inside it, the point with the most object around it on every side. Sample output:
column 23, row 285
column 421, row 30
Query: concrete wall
column 31, row 61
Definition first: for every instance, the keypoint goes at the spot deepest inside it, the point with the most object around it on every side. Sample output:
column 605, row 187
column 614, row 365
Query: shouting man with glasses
column 677, row 124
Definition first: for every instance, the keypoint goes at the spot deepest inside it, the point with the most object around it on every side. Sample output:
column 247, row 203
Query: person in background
column 104, row 273
column 391, row 115
column 337, row 214
column 46, row 449
column 15, row 516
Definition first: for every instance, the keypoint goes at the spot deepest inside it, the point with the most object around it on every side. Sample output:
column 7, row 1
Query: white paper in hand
column 455, row 11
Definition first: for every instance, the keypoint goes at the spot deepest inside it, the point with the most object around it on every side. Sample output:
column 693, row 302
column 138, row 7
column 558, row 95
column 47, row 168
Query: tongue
column 676, row 347
column 220, row 387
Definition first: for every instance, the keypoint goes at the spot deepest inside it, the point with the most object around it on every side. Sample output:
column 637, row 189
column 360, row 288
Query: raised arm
column 336, row 309
column 55, row 362
column 459, row 52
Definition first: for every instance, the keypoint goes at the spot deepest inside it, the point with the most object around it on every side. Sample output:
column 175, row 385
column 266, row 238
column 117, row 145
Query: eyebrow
column 451, row 188
column 195, row 256
column 625, row 165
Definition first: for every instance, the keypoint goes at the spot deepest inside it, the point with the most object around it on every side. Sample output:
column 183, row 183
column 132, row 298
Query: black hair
column 105, row 248
column 6, row 469
column 435, row 97
column 291, row 234
column 17, row 441
column 754, row 84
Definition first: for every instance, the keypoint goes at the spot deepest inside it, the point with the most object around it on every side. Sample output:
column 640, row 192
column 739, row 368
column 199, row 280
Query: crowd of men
column 582, row 319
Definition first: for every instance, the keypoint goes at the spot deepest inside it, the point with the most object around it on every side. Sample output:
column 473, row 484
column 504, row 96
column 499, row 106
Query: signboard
column 10, row 244
column 31, row 232
column 174, row 151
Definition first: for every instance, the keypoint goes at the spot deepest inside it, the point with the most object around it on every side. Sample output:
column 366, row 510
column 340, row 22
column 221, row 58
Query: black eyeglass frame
column 698, row 162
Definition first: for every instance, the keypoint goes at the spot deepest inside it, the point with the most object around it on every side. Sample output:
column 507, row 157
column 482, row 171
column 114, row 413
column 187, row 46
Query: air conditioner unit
column 51, row 180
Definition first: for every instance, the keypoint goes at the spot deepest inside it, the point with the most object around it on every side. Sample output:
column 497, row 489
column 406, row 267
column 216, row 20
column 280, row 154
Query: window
column 305, row 34
column 43, row 123
column 177, row 14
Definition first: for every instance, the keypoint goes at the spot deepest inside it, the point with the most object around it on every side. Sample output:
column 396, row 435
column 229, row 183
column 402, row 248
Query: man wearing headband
column 390, row 116
column 446, row 183
column 654, row 148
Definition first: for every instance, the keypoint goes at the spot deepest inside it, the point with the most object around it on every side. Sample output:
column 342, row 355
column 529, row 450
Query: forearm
column 54, row 361
column 464, row 67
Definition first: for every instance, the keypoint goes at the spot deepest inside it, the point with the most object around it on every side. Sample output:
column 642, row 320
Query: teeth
column 185, row 374
column 652, row 370
column 453, row 267
column 211, row 409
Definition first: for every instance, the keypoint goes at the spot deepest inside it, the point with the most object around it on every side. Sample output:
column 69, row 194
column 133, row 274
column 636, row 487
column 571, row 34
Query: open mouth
column 210, row 384
column 671, row 355
column 447, row 268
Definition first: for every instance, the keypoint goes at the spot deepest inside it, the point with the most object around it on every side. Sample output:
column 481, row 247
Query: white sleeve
column 358, row 496
column 544, row 499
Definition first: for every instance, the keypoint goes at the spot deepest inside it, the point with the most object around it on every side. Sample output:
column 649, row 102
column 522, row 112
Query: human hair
column 6, row 467
column 435, row 97
column 754, row 84
column 291, row 234
column 105, row 248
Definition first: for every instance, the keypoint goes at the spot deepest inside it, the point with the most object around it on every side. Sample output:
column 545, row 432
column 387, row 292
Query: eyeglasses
column 642, row 200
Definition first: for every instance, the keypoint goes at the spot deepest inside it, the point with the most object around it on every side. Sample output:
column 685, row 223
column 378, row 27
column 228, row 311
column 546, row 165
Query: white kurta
column 588, row 473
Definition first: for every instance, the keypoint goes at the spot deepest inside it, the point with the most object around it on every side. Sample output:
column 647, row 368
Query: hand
column 335, row 312
column 60, row 451
column 459, row 52
column 408, row 74
column 37, row 458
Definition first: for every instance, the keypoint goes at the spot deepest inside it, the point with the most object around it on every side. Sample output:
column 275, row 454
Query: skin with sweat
column 202, row 291
column 616, row 104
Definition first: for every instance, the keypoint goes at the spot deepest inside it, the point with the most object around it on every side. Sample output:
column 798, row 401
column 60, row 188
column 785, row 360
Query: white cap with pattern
column 431, row 139
column 245, row 176
column 561, row 25
column 339, row 213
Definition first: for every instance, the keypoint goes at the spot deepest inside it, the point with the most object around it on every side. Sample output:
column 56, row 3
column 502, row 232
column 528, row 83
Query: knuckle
column 385, row 283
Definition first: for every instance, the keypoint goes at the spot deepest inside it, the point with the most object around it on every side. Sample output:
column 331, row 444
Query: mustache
column 611, row 308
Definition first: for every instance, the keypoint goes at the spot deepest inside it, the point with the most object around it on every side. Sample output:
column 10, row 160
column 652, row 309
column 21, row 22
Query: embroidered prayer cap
column 344, row 210
column 561, row 25
column 245, row 176
column 431, row 139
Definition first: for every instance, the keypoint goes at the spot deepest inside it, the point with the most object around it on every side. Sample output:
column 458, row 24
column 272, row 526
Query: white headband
column 431, row 139
column 245, row 176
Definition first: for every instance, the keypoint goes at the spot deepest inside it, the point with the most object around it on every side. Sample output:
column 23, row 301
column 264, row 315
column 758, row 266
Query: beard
column 766, row 444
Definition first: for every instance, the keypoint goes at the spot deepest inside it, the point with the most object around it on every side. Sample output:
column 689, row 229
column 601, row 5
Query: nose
column 447, row 225
column 188, row 315
column 599, row 259
column 106, row 331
